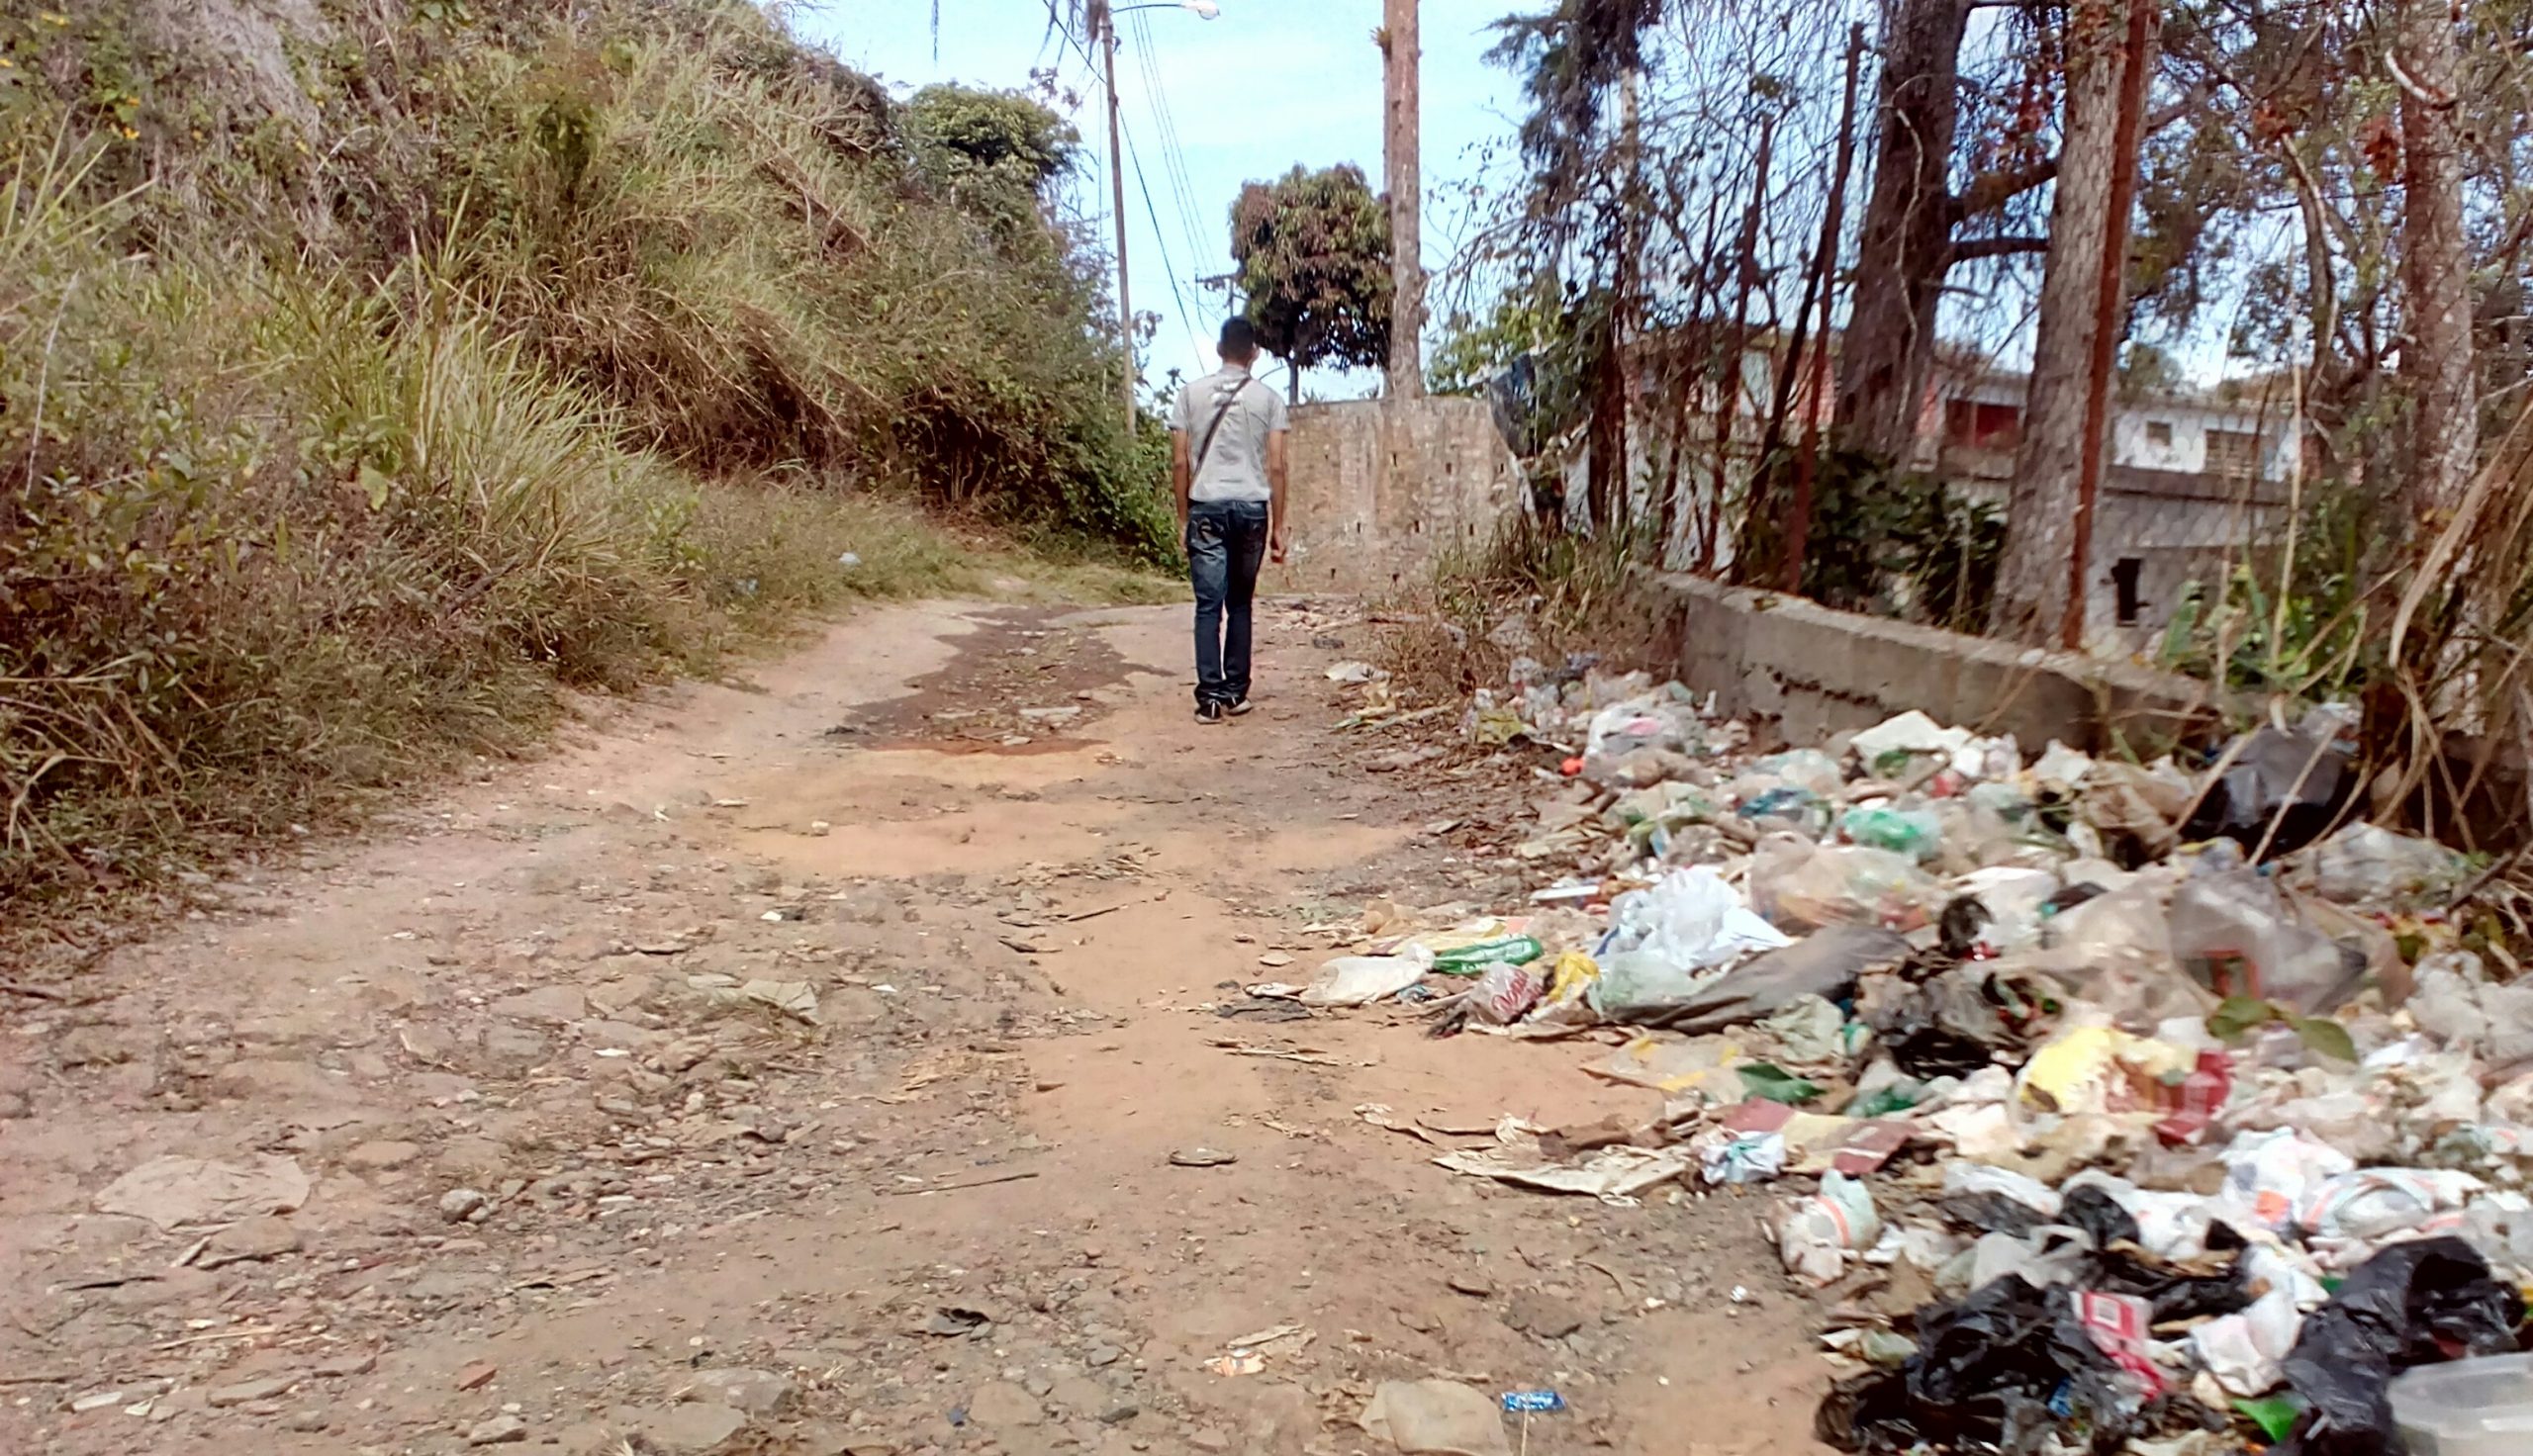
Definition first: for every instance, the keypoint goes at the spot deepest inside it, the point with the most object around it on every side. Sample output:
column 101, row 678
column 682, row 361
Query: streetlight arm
column 1201, row 9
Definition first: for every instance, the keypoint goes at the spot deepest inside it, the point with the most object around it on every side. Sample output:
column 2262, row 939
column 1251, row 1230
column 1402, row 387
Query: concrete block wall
column 1379, row 492
column 1799, row 671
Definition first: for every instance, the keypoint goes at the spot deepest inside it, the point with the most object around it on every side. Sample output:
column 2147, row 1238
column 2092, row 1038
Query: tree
column 2081, row 300
column 2436, row 272
column 1312, row 250
column 1906, row 240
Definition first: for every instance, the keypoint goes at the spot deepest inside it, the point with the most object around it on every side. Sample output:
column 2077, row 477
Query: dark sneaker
column 1240, row 709
column 1209, row 712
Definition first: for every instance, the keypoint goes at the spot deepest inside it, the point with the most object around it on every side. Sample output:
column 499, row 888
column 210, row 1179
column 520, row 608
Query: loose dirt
column 569, row 1166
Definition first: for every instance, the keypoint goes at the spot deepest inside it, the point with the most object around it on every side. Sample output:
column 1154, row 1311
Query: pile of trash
column 2114, row 1107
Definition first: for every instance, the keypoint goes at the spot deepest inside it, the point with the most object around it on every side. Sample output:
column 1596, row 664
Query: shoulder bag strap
column 1206, row 445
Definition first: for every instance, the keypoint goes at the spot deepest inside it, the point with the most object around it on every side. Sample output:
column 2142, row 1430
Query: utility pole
column 1400, row 59
column 1106, row 21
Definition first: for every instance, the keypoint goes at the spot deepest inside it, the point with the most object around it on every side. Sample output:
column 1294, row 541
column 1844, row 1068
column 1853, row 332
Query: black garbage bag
column 1991, row 1213
column 2004, row 1370
column 2413, row 1304
column 2307, row 779
column 2093, row 1208
column 2173, row 1293
column 1953, row 1023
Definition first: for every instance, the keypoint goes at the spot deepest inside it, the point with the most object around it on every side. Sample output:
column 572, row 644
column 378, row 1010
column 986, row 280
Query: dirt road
column 573, row 1164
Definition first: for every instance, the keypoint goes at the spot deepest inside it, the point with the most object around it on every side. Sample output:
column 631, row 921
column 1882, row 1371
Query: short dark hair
column 1238, row 340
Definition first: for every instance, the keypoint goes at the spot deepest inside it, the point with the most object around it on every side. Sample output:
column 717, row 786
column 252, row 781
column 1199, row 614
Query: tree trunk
column 1905, row 242
column 2436, row 279
column 1605, row 484
column 2080, row 302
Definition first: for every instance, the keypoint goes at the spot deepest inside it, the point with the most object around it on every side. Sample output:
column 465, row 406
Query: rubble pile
column 2106, row 1107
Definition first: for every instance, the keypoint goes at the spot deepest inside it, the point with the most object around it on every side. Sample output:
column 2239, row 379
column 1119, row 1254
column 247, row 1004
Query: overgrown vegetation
column 365, row 377
column 1530, row 591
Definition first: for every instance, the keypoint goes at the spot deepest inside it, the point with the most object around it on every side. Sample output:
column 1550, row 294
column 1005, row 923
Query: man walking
column 1227, row 465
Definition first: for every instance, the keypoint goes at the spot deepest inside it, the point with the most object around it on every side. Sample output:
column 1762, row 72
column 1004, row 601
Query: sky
column 1268, row 84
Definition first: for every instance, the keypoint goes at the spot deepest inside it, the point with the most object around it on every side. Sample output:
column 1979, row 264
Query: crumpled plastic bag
column 2239, row 935
column 1913, row 831
column 2247, row 1351
column 2300, row 782
column 2267, row 1174
column 1435, row 1418
column 1361, row 980
column 2453, row 1000
column 1804, row 768
column 2367, row 864
column 2135, row 808
column 1802, row 886
column 1690, row 920
column 1814, row 1233
column 1823, row 964
column 2371, row 1203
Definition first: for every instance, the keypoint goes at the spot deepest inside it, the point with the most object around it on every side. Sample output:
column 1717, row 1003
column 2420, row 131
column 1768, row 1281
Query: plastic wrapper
column 1804, row 768
column 1741, row 1159
column 1787, row 807
column 1567, row 999
column 1916, row 833
column 1472, row 948
column 1801, row 886
column 1504, row 994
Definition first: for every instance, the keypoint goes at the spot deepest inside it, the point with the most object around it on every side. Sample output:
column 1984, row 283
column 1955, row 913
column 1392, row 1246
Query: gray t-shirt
column 1235, row 467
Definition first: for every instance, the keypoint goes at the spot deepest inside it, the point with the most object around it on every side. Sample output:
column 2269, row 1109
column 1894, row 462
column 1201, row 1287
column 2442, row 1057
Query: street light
column 1202, row 10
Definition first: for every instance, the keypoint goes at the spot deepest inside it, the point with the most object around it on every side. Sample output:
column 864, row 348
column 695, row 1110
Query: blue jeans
column 1226, row 543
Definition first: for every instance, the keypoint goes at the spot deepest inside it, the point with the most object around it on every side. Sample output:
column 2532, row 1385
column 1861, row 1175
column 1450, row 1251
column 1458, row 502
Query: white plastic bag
column 1691, row 921
column 2246, row 1351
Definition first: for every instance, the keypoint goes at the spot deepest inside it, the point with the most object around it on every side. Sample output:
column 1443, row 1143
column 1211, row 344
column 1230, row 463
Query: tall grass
column 524, row 346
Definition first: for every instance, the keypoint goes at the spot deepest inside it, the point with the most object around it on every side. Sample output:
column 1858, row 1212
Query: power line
column 1177, row 288
column 1174, row 150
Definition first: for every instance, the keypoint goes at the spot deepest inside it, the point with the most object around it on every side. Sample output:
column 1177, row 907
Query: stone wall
column 1378, row 495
